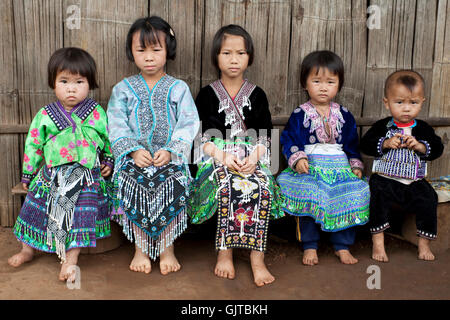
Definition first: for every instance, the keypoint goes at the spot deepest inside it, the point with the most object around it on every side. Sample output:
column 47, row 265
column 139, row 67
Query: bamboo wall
column 413, row 34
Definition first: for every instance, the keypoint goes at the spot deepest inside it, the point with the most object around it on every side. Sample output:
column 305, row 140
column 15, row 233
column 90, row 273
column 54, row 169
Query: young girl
column 66, row 207
column 231, row 179
column 322, row 185
column 153, row 119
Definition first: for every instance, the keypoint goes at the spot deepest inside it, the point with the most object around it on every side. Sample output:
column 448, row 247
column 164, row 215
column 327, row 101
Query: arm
column 293, row 139
column 187, row 122
column 107, row 163
column 432, row 142
column 34, row 145
column 350, row 141
column 372, row 142
column 121, row 136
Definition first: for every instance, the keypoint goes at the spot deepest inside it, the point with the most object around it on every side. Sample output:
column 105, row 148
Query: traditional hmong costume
column 398, row 177
column 152, row 200
column 66, row 206
column 244, row 203
column 330, row 195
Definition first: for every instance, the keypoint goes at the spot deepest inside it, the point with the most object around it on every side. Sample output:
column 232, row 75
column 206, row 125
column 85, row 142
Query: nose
column 234, row 58
column 149, row 57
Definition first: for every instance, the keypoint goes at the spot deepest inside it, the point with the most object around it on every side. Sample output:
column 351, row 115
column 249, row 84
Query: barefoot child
column 66, row 207
column 323, row 185
column 153, row 121
column 401, row 146
column 232, row 180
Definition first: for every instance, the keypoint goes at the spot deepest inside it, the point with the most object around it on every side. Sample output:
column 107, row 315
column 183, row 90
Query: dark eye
column 63, row 81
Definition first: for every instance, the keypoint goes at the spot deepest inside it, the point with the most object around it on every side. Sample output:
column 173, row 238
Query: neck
column 153, row 79
column 322, row 108
column 232, row 82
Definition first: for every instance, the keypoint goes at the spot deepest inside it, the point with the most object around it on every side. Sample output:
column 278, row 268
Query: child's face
column 151, row 60
column 71, row 89
column 322, row 86
column 403, row 104
column 233, row 57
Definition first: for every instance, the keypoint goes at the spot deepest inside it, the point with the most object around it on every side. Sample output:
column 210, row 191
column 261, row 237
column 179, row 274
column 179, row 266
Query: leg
column 424, row 206
column 378, row 250
column 25, row 255
column 341, row 241
column 168, row 262
column 261, row 275
column 67, row 269
column 140, row 262
column 310, row 235
column 224, row 266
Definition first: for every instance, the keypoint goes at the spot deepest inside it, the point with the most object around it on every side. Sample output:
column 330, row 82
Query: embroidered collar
column 411, row 124
column 63, row 119
column 234, row 108
column 335, row 121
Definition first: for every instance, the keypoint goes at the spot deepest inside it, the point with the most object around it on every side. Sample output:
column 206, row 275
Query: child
column 323, row 185
column 233, row 182
column 66, row 207
column 401, row 145
column 153, row 119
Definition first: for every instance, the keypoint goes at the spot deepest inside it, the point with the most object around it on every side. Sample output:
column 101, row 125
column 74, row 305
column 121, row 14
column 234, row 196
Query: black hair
column 74, row 60
column 231, row 29
column 149, row 27
column 408, row 78
column 322, row 59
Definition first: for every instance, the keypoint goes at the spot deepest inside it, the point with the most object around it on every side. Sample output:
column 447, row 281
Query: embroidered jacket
column 306, row 126
column 62, row 137
column 162, row 118
column 234, row 117
column 401, row 163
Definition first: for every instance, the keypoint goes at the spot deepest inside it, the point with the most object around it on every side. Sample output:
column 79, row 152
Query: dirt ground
column 106, row 275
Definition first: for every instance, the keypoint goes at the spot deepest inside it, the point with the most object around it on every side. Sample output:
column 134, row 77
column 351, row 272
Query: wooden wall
column 412, row 34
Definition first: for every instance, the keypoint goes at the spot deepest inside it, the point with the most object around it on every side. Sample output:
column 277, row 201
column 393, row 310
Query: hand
column 230, row 161
column 357, row 172
column 142, row 158
column 412, row 144
column 161, row 158
column 248, row 165
column 393, row 143
column 105, row 170
column 25, row 186
column 302, row 166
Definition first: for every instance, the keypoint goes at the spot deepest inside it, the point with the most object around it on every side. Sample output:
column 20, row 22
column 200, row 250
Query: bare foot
column 68, row 271
column 378, row 249
column 424, row 250
column 25, row 255
column 261, row 275
column 224, row 266
column 346, row 257
column 140, row 262
column 168, row 262
column 310, row 257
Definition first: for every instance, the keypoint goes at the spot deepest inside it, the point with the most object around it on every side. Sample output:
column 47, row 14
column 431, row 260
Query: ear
column 386, row 104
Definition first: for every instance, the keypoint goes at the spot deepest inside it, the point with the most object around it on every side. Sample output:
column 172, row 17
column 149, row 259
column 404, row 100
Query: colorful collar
column 411, row 124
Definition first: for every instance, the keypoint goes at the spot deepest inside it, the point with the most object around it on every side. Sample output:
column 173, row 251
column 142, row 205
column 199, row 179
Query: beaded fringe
column 151, row 204
column 153, row 248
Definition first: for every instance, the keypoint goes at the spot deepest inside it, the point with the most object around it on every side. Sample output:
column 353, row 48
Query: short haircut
column 322, row 59
column 149, row 27
column 235, row 30
column 409, row 78
column 75, row 61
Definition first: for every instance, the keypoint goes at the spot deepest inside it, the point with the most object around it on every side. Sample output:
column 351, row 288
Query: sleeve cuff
column 356, row 164
column 294, row 158
column 26, row 178
column 427, row 147
column 380, row 145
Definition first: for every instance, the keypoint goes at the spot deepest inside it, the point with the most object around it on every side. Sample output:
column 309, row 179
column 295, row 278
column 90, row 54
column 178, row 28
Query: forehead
column 233, row 41
column 400, row 90
column 148, row 37
column 68, row 74
column 322, row 72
